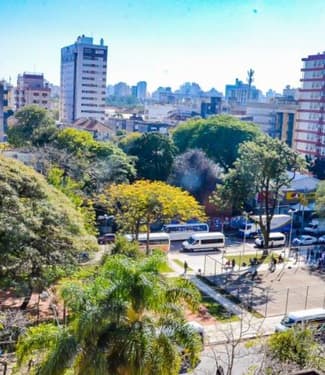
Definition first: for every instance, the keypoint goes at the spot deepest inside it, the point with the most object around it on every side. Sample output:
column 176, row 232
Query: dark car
column 106, row 239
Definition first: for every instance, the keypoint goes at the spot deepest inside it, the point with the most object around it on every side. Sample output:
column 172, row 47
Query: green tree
column 146, row 202
column 261, row 168
column 40, row 230
column 320, row 199
column 73, row 190
column 127, row 320
column 92, row 163
column 154, row 154
column 219, row 137
column 33, row 126
column 296, row 346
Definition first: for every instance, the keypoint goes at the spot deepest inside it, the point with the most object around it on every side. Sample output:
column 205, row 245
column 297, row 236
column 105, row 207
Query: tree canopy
column 219, row 137
column 320, row 199
column 146, row 202
column 33, row 125
column 261, row 169
column 125, row 320
column 92, row 163
column 40, row 230
column 154, row 154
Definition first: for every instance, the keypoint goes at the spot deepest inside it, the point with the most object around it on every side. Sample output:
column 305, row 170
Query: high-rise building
column 142, row 90
column 83, row 80
column 241, row 93
column 32, row 89
column 121, row 89
column 310, row 129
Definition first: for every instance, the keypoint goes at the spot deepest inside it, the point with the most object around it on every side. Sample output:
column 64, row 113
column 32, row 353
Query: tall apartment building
column 310, row 129
column 83, row 80
column 121, row 89
column 32, row 89
column 142, row 90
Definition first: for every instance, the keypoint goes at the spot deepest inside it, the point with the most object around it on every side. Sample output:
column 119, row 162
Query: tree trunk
column 26, row 300
column 148, row 250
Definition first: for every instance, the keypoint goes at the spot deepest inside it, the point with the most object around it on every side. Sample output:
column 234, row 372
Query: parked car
column 321, row 239
column 304, row 240
column 106, row 238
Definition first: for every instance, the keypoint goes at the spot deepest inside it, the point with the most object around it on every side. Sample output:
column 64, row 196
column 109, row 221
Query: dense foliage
column 92, row 163
column 295, row 346
column 33, row 125
column 219, row 137
column 154, row 154
column 125, row 320
column 320, row 199
column 146, row 202
column 261, row 168
column 40, row 230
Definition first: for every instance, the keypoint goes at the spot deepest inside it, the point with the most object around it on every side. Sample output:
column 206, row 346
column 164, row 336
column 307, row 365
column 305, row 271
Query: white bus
column 179, row 232
column 311, row 317
column 204, row 241
column 156, row 240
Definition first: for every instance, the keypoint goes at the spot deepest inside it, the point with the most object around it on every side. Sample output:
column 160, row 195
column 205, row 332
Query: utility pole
column 250, row 79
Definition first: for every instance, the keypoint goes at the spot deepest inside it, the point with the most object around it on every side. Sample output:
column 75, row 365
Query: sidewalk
column 206, row 289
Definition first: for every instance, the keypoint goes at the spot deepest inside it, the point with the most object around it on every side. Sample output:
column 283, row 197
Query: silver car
column 304, row 240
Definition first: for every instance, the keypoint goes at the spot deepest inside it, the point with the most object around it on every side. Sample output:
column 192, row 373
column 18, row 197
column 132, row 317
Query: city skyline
column 208, row 42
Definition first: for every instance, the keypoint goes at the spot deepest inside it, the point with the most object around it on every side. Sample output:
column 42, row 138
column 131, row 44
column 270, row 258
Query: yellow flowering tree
column 146, row 202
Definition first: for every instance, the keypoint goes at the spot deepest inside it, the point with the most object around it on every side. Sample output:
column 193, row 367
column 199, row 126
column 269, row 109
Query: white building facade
column 83, row 80
column 310, row 129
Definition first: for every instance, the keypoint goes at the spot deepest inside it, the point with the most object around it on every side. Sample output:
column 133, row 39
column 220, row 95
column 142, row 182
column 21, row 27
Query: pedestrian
column 254, row 274
column 185, row 268
column 233, row 263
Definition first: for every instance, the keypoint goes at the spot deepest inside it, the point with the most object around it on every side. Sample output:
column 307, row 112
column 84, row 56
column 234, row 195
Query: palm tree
column 127, row 320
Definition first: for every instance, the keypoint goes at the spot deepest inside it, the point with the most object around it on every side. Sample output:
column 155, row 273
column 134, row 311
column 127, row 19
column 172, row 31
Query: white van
column 314, row 317
column 275, row 239
column 204, row 241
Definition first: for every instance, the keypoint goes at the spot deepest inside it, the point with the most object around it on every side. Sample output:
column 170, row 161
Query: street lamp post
column 291, row 212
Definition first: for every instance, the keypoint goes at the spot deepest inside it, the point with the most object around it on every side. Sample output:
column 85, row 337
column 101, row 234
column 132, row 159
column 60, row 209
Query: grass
column 240, row 259
column 165, row 268
column 229, row 296
column 217, row 311
column 181, row 264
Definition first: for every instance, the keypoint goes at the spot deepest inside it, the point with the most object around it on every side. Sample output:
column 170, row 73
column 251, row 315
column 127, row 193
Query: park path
column 248, row 325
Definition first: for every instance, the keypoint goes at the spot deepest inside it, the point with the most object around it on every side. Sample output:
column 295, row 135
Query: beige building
column 32, row 89
column 276, row 118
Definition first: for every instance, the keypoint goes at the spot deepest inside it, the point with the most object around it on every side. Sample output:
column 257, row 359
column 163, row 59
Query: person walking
column 185, row 268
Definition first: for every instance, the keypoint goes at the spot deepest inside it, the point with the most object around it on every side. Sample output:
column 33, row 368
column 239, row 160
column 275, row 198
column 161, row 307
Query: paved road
column 245, row 358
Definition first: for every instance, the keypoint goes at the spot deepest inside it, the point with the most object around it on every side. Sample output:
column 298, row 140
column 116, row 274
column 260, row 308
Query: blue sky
column 167, row 42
